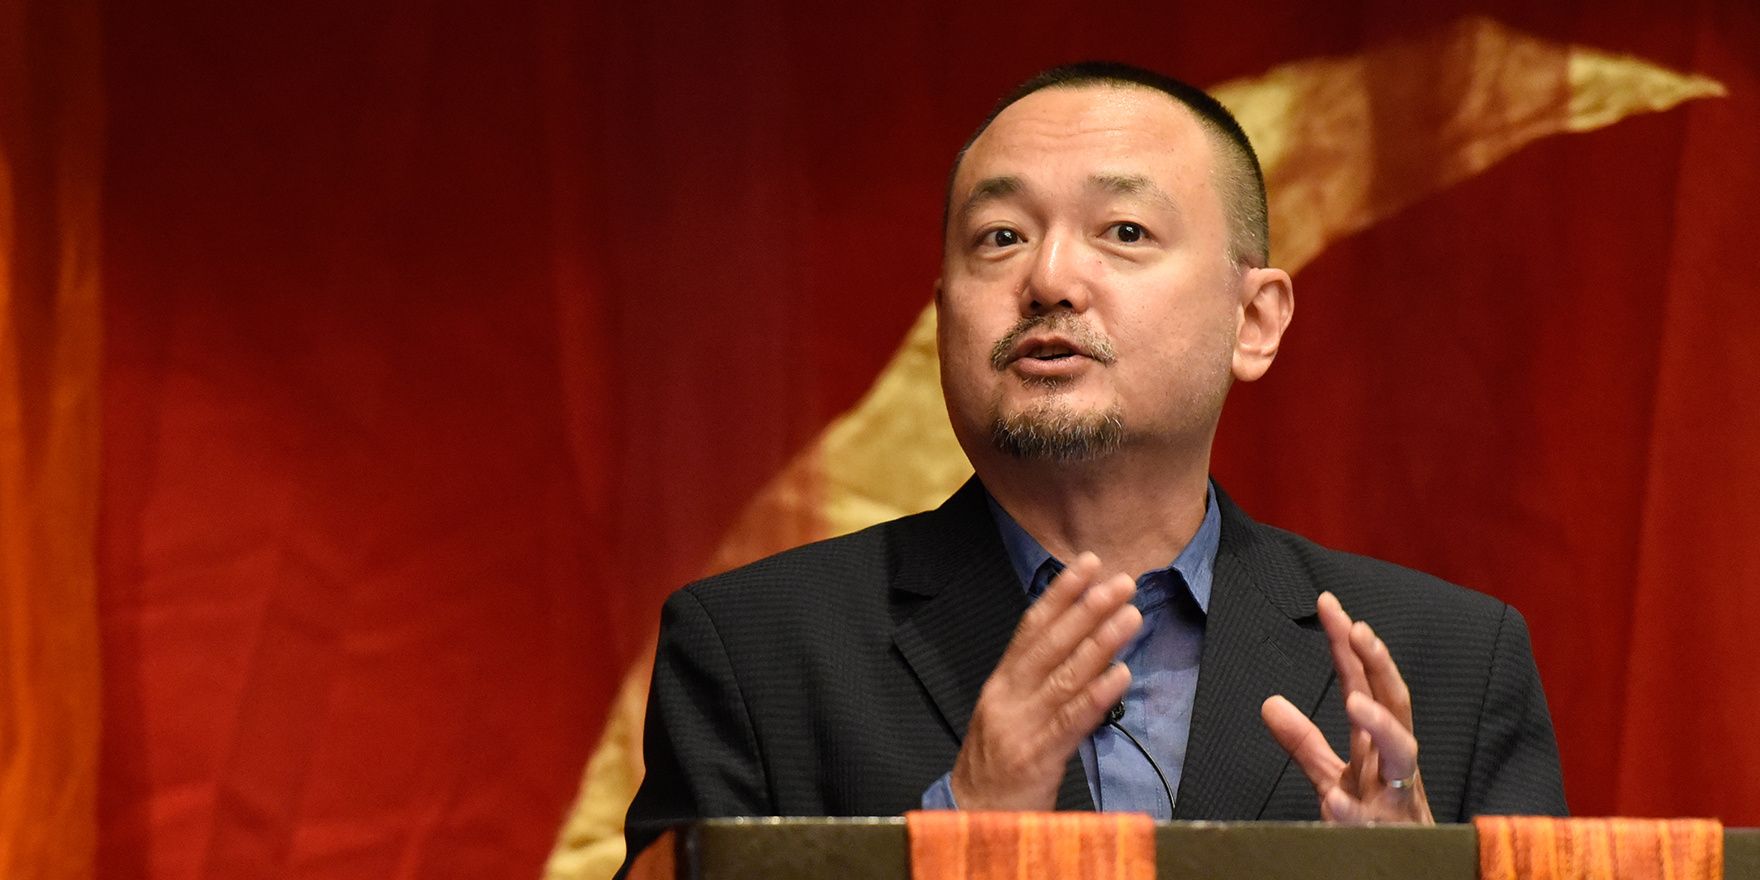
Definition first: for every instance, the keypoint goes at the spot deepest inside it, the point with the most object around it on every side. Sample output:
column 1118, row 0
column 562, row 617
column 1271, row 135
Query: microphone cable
column 1115, row 715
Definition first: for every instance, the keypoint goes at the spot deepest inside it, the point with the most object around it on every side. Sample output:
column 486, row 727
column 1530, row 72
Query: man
column 1104, row 280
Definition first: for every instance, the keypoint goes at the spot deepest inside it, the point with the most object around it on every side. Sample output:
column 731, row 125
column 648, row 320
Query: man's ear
column 1267, row 301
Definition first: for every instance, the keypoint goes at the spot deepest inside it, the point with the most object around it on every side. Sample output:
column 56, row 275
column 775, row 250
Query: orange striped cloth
column 1544, row 848
column 959, row 845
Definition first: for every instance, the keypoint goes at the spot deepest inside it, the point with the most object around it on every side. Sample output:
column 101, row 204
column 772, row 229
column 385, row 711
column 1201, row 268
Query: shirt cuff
column 940, row 795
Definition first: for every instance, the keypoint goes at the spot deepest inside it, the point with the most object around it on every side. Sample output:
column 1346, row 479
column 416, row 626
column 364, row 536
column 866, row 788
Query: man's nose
column 1057, row 280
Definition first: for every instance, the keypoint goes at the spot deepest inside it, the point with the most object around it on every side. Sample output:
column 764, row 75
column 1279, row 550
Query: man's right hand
column 1053, row 687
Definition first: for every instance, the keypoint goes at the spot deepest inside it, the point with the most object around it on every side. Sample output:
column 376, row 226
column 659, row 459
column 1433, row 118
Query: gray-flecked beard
column 1054, row 432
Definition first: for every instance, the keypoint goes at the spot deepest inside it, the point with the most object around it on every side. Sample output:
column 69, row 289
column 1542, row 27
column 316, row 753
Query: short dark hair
column 1240, row 182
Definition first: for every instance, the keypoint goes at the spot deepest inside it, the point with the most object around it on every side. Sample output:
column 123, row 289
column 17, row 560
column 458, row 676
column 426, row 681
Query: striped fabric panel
column 960, row 845
column 1545, row 848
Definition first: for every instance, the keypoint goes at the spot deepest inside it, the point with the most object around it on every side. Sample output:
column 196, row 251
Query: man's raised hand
column 1052, row 688
column 1381, row 781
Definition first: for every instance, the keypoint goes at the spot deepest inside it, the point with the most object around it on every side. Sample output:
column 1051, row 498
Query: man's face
column 1087, row 299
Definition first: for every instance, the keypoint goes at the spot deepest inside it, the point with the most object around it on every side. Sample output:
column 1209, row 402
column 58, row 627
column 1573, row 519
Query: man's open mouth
column 1050, row 338
column 1051, row 353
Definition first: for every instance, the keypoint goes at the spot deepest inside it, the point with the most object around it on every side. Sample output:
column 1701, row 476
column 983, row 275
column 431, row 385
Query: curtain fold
column 51, row 114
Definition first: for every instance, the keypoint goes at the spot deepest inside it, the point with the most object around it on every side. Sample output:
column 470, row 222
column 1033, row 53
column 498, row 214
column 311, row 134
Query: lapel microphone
column 1113, row 717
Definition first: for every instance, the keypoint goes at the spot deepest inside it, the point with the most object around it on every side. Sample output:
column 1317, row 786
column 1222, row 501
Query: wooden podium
column 877, row 849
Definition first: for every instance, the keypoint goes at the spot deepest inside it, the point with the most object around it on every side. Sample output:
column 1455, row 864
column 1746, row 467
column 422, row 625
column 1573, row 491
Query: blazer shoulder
column 912, row 553
column 834, row 564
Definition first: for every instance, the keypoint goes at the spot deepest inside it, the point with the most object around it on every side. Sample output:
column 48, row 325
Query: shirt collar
column 1194, row 564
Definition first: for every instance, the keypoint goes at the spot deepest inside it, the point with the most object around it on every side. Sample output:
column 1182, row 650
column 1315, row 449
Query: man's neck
column 1136, row 516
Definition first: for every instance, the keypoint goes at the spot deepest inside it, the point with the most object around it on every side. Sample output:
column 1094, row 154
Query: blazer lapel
column 1262, row 637
column 960, row 600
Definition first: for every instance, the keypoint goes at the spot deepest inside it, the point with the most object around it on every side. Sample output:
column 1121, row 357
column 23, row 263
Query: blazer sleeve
column 699, row 745
column 1515, row 768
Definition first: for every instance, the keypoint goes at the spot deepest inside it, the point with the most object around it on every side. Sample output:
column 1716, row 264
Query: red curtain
column 51, row 135
column 445, row 338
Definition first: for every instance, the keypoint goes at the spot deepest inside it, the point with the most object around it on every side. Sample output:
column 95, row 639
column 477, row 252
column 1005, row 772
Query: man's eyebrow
column 1132, row 185
column 990, row 189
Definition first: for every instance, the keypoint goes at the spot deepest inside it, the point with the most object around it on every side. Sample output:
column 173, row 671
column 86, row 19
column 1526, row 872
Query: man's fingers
column 1383, row 748
column 1396, row 750
column 1386, row 685
column 1063, row 591
column 1090, row 659
column 1351, row 679
column 1084, row 608
column 1070, row 715
column 1080, row 715
column 1337, row 624
column 1338, row 807
column 1097, row 649
column 1305, row 744
column 1016, row 746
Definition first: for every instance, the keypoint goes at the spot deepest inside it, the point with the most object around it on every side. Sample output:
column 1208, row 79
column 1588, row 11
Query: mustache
column 1090, row 341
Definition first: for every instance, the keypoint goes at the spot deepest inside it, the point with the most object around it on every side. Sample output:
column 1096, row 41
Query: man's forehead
column 1118, row 135
column 1139, row 122
column 1141, row 187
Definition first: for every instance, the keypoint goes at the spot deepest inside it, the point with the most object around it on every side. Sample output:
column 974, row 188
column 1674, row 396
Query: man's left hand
column 1380, row 783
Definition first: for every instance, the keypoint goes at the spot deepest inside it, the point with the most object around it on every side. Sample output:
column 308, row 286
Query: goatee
column 1057, row 433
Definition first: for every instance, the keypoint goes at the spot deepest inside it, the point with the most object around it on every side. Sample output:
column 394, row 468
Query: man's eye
column 1004, row 238
column 1129, row 232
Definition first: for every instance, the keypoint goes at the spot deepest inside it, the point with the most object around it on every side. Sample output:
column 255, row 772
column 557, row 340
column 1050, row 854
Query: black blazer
column 837, row 679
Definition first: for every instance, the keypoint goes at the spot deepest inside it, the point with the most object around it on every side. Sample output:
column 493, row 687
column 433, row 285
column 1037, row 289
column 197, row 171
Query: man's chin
column 1059, row 434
